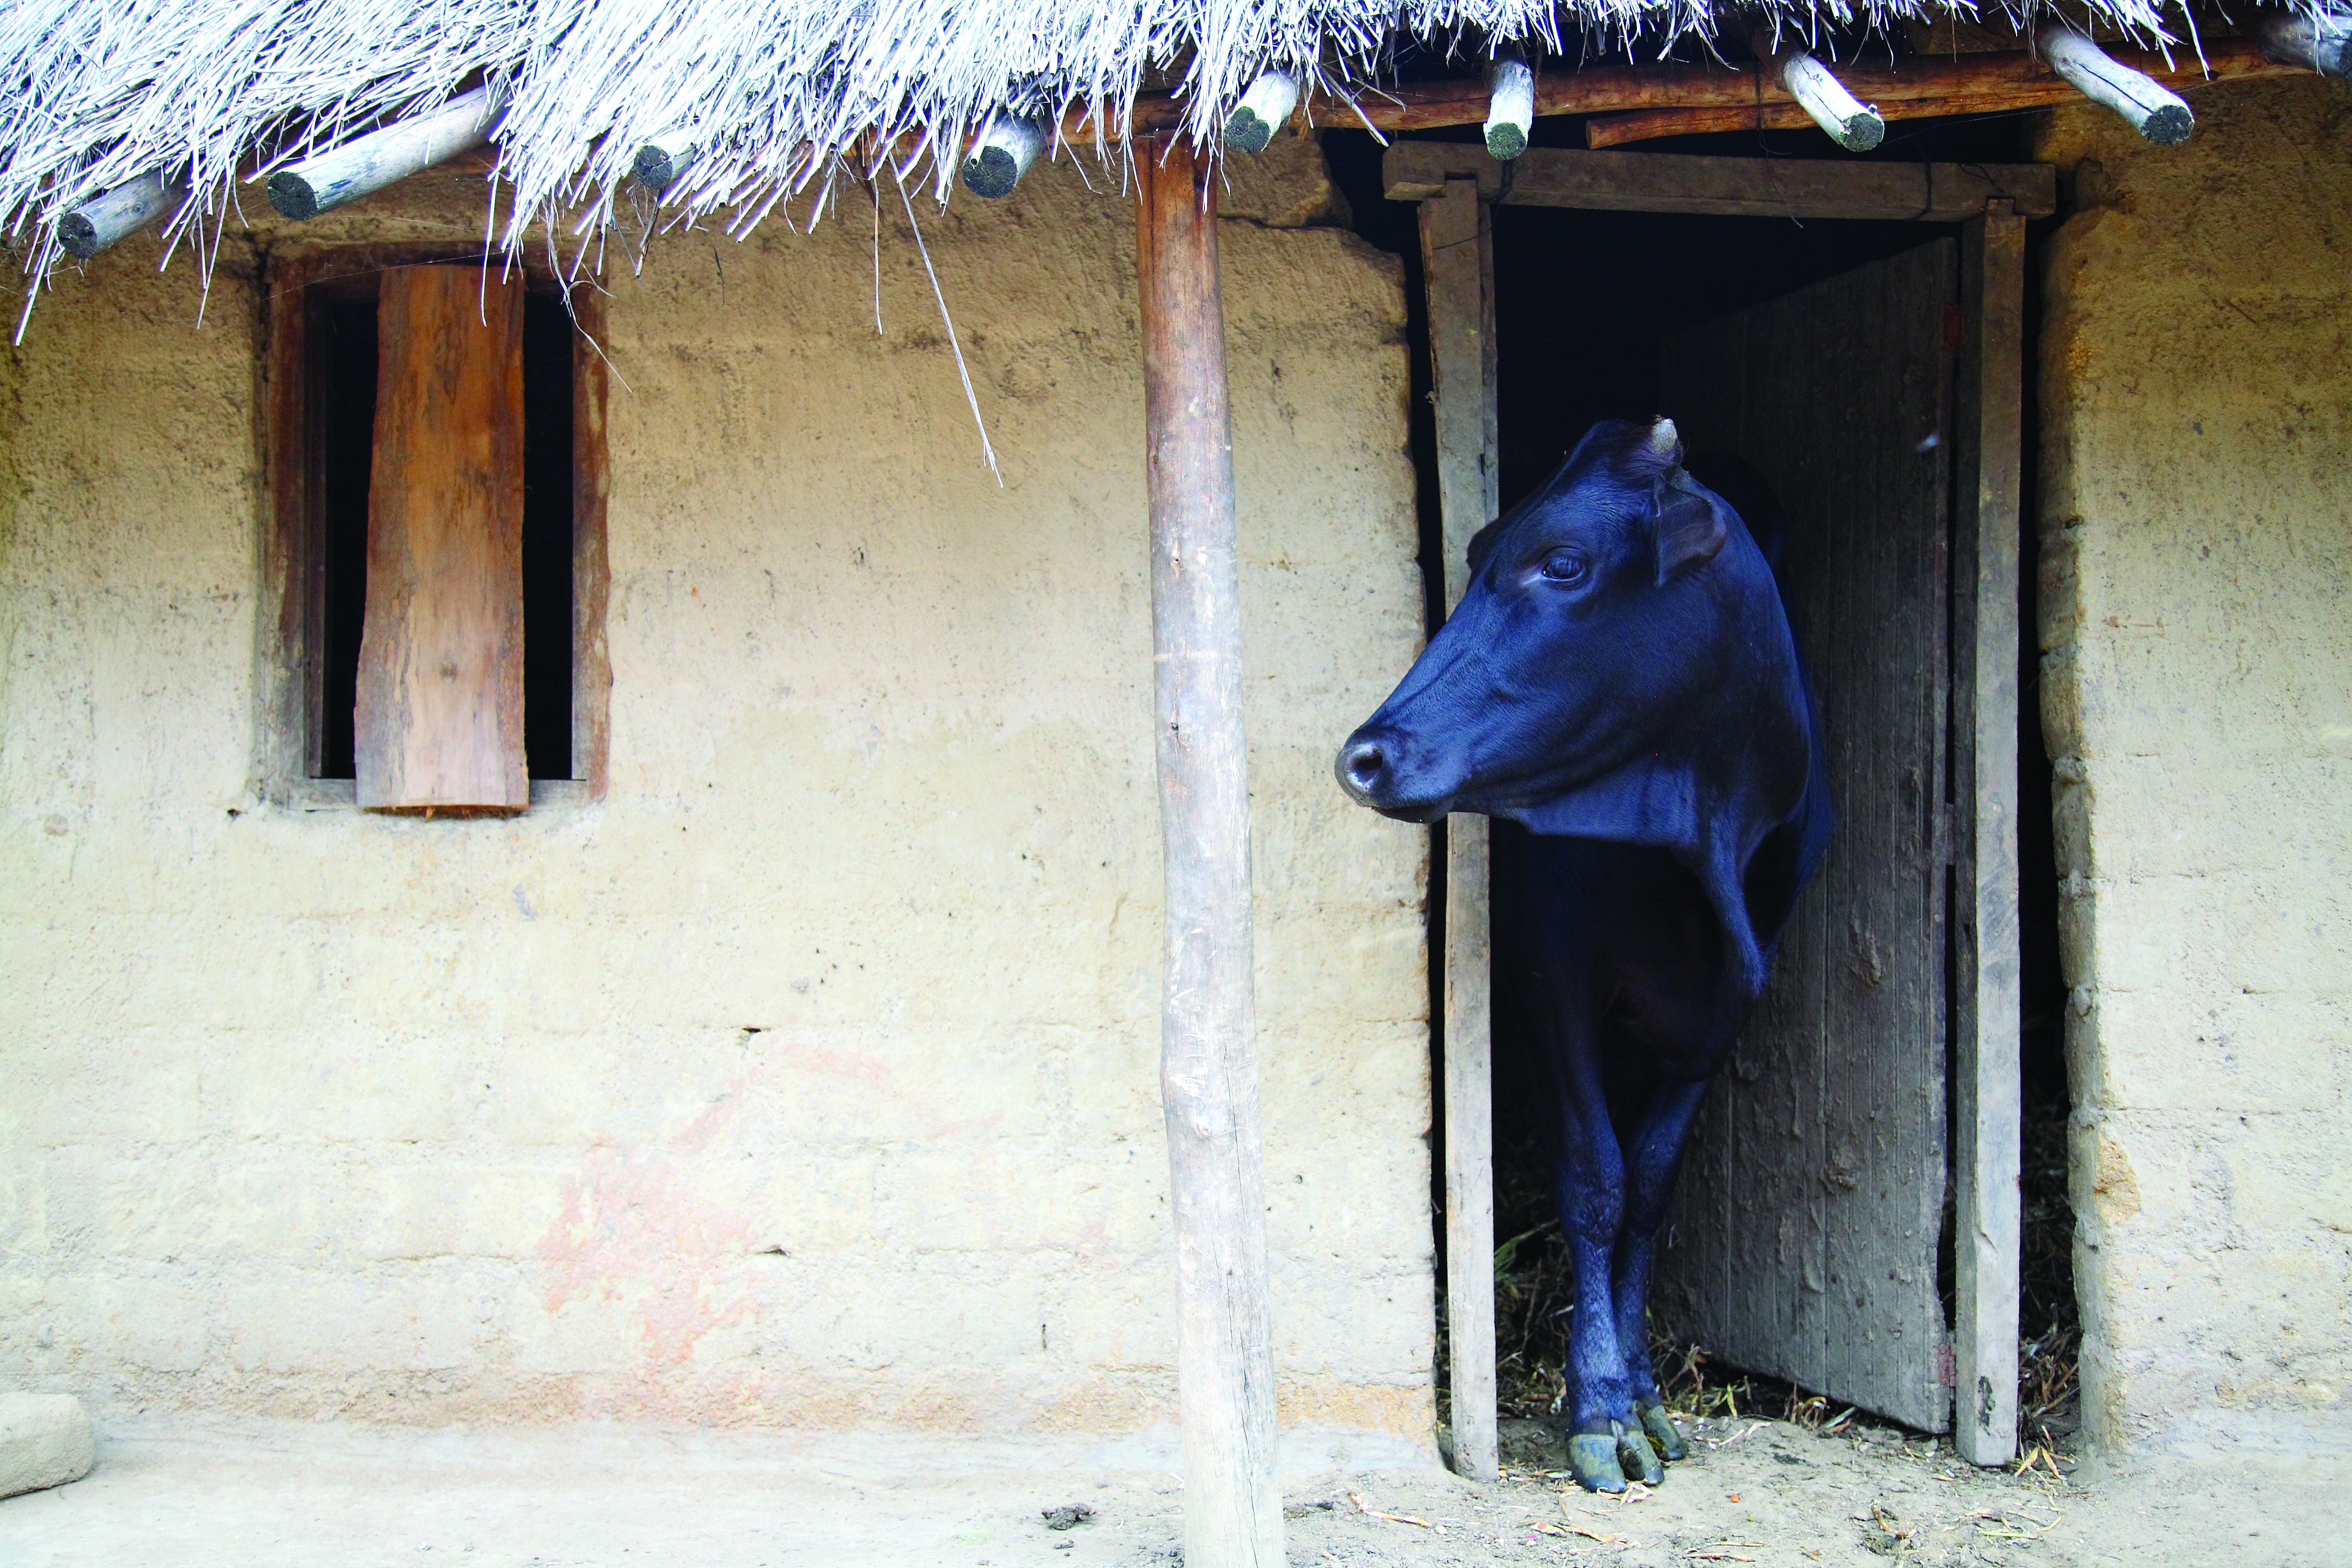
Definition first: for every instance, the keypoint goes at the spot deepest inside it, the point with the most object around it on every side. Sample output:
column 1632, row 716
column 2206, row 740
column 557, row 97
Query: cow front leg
column 1652, row 1157
column 1588, row 1183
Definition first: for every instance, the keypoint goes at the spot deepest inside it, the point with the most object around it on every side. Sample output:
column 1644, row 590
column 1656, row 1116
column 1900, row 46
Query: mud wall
column 2196, row 506
column 809, row 1076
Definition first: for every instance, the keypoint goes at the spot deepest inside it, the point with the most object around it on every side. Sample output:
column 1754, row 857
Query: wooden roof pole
column 1208, row 1063
column 126, row 209
column 366, row 164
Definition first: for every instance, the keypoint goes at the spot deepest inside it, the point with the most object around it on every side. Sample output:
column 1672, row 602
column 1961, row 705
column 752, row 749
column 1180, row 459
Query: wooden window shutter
column 438, row 713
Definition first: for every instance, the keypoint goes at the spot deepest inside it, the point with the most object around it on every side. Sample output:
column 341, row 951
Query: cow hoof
column 1638, row 1459
column 1663, row 1433
column 1592, row 1460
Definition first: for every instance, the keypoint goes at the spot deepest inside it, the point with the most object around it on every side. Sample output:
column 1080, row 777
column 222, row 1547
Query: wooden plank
column 1457, row 260
column 439, row 706
column 289, row 663
column 1208, row 1076
column 1807, row 1248
column 1988, row 463
column 592, row 575
column 1736, row 187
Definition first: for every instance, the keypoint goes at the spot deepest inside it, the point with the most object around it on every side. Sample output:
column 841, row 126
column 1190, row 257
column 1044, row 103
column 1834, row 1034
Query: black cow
column 1621, row 680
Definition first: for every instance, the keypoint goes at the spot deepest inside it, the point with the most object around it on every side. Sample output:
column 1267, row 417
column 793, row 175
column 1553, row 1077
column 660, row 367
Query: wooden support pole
column 1987, row 1109
column 369, row 162
column 2155, row 110
column 1851, row 123
column 2321, row 43
column 1263, row 110
column 127, row 209
column 663, row 158
column 1208, row 1073
column 1510, row 107
column 1001, row 154
column 1457, row 261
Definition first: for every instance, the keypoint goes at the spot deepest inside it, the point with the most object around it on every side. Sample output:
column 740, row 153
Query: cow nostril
column 1365, row 764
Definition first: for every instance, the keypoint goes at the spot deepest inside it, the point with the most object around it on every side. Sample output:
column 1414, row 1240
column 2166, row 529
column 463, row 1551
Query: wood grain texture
column 1967, row 84
column 439, row 707
column 289, row 661
column 127, row 209
column 591, row 574
column 1733, row 187
column 1458, row 257
column 1988, row 1009
column 1925, row 88
column 2149, row 107
column 367, row 164
column 1805, row 1238
column 1208, row 1076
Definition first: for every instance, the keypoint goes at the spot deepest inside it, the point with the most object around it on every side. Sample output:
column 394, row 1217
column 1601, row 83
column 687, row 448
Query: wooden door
column 1805, row 1238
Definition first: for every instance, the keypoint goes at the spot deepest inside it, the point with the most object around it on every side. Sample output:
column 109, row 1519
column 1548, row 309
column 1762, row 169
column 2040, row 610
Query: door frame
column 1458, row 187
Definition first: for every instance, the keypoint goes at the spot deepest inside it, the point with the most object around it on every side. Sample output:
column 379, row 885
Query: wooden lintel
column 1740, row 188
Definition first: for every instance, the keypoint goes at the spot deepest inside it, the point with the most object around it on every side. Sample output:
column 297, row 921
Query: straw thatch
column 784, row 94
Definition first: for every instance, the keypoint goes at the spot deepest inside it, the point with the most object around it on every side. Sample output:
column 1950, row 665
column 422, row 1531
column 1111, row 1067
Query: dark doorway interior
column 1586, row 301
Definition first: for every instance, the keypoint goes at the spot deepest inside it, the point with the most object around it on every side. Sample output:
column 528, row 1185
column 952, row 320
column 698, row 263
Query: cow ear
column 1691, row 526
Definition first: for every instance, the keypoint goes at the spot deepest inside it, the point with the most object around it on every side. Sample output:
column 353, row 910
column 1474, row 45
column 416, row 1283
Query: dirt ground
column 289, row 1496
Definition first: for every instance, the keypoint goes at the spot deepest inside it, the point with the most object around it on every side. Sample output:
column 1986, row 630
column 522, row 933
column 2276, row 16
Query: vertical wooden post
column 1986, row 1108
column 1457, row 258
column 1208, row 1072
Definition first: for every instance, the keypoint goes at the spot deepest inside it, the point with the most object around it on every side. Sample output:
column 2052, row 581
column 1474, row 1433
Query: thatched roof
column 785, row 95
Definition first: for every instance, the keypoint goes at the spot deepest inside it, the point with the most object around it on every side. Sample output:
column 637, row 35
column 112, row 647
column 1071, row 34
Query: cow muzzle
column 1374, row 768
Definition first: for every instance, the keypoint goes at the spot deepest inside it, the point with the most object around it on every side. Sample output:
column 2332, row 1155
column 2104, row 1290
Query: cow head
column 1596, row 627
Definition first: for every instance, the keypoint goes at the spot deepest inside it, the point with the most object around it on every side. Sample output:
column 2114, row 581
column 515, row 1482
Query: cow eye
column 1564, row 566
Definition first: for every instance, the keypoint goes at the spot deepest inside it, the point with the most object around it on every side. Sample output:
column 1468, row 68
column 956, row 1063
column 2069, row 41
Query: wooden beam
column 2153, row 110
column 2323, row 44
column 1001, row 153
column 1457, row 260
column 2008, row 83
column 1968, row 84
column 1263, row 110
column 663, row 158
column 124, row 210
column 1750, row 187
column 1650, row 124
column 1845, row 119
column 1988, row 438
column 367, row 164
column 1510, row 107
column 1208, row 1071
column 439, row 721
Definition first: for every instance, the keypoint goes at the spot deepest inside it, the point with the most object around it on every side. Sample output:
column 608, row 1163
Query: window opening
column 341, row 374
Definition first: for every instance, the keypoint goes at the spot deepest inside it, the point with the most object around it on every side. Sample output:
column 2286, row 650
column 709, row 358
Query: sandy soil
column 290, row 1496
